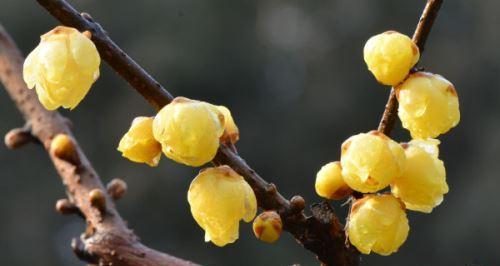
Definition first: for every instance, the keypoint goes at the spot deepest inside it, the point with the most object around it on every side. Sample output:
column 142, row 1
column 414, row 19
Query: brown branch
column 420, row 35
column 107, row 241
column 320, row 233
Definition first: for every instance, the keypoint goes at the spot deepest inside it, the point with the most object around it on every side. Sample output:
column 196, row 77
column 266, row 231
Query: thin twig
column 107, row 240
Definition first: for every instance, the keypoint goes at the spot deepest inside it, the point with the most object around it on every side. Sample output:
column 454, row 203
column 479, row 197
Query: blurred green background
column 292, row 73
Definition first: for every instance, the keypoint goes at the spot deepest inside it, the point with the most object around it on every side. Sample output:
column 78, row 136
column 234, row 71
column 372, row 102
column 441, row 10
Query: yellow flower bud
column 64, row 148
column 62, row 68
column 231, row 132
column 139, row 145
column 267, row 226
column 219, row 199
column 329, row 182
column 189, row 131
column 428, row 105
column 378, row 223
column 371, row 161
column 390, row 56
column 423, row 183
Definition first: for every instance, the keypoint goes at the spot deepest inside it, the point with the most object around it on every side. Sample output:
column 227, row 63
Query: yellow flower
column 378, row 223
column 371, row 161
column 189, row 131
column 139, row 145
column 267, row 226
column 329, row 182
column 390, row 56
column 422, row 185
column 428, row 105
column 219, row 199
column 62, row 68
column 231, row 132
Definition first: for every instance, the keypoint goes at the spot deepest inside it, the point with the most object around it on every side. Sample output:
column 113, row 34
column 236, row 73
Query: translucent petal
column 219, row 198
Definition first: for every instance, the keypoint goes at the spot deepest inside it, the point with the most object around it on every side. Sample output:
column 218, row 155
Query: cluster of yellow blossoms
column 370, row 162
column 65, row 64
column 190, row 132
column 62, row 69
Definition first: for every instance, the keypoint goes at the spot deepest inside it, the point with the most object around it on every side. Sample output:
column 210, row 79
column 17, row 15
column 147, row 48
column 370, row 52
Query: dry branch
column 107, row 240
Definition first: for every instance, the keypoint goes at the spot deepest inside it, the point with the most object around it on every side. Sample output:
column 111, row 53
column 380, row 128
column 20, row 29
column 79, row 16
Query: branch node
column 97, row 199
column 18, row 137
column 64, row 148
column 271, row 188
column 116, row 188
column 87, row 16
column 78, row 248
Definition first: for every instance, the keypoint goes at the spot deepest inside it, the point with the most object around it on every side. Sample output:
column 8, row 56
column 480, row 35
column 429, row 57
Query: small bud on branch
column 116, row 188
column 63, row 147
column 97, row 199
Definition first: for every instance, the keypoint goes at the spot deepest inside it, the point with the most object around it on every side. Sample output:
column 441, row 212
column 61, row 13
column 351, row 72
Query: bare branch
column 107, row 240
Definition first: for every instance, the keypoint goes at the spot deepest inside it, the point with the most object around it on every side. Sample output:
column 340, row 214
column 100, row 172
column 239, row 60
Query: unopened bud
column 297, row 203
column 117, row 188
column 63, row 147
column 87, row 34
column 64, row 206
column 267, row 227
column 97, row 199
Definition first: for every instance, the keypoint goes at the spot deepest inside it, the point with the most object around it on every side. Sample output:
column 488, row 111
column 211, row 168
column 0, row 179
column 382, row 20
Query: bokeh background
column 292, row 73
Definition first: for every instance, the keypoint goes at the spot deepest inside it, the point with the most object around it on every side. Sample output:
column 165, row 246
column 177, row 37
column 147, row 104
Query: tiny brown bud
column 64, row 206
column 117, row 188
column 18, row 137
column 97, row 199
column 297, row 203
column 63, row 147
column 87, row 16
column 271, row 188
column 87, row 34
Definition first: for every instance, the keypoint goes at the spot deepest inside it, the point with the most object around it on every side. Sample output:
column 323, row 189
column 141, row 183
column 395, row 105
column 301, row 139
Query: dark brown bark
column 107, row 240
